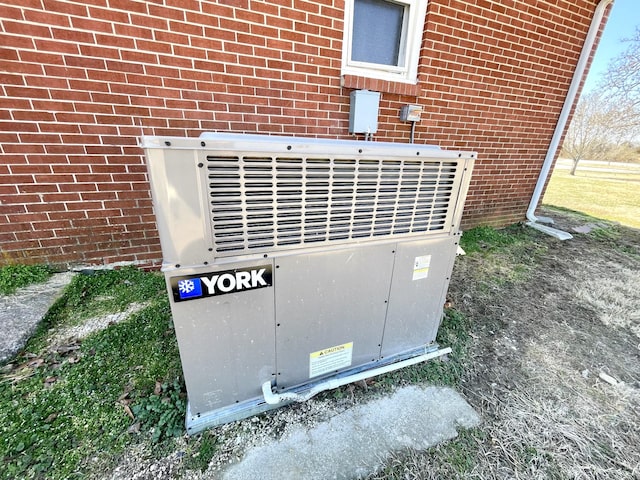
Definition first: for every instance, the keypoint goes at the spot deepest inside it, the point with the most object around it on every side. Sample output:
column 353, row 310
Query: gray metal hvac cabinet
column 294, row 265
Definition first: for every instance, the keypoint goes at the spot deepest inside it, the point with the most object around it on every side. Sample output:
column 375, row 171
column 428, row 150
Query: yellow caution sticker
column 421, row 267
column 330, row 359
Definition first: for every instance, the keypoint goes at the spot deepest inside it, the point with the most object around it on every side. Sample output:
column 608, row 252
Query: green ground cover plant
column 484, row 238
column 13, row 277
column 66, row 407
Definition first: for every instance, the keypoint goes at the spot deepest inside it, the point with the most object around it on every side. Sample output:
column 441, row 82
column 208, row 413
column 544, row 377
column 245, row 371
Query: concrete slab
column 354, row 443
column 21, row 312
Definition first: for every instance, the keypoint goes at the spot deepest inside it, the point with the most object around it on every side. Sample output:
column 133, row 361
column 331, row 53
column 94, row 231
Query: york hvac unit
column 297, row 265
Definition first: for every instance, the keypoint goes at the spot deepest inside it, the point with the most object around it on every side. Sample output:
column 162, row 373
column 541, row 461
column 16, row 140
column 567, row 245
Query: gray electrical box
column 294, row 264
column 410, row 113
column 363, row 111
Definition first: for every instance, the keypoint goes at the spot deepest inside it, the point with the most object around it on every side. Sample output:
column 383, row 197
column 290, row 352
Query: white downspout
column 562, row 122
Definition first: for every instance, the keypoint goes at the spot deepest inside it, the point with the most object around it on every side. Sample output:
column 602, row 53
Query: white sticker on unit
column 330, row 359
column 421, row 267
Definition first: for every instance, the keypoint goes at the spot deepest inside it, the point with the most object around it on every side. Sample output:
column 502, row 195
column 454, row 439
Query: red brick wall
column 80, row 81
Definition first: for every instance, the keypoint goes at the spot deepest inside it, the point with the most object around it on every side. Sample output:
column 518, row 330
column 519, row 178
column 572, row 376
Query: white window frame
column 411, row 41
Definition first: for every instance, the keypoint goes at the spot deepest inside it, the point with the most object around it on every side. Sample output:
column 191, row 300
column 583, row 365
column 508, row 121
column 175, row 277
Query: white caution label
column 421, row 267
column 330, row 359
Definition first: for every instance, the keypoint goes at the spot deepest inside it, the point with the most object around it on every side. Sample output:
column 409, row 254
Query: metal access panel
column 226, row 341
column 327, row 299
column 294, row 264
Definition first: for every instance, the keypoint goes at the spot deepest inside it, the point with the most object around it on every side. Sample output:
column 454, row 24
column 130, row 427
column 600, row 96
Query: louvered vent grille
column 264, row 203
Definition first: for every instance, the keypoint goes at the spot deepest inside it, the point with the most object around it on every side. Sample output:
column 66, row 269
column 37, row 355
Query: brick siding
column 81, row 81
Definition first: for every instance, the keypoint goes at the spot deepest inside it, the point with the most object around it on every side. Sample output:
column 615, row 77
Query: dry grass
column 542, row 338
column 558, row 419
column 570, row 422
column 616, row 297
column 556, row 425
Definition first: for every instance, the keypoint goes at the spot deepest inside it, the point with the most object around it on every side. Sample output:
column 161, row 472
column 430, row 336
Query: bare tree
column 598, row 127
column 606, row 121
column 622, row 79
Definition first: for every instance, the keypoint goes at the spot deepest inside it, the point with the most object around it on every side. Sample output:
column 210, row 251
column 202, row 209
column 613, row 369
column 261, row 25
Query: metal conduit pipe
column 562, row 122
column 272, row 398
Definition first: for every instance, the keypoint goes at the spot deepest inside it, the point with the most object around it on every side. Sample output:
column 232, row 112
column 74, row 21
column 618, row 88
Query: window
column 382, row 38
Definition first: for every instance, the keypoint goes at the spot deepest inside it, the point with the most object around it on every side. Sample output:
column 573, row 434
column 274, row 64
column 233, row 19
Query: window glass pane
column 377, row 32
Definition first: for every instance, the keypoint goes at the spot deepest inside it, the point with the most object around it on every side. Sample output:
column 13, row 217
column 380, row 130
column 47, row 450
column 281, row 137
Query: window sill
column 376, row 85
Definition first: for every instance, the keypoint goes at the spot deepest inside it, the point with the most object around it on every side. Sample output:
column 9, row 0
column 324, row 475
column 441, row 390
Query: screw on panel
column 360, row 150
column 206, row 263
column 288, row 147
column 210, row 249
column 417, row 153
column 200, row 165
column 202, row 144
column 167, row 143
column 177, row 265
column 265, row 255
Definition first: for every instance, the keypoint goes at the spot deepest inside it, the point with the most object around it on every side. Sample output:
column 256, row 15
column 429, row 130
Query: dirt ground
column 553, row 368
column 555, row 362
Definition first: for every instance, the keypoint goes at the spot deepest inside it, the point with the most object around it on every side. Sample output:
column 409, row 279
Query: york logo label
column 219, row 283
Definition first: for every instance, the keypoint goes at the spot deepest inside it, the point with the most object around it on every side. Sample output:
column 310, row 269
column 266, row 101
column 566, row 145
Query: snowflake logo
column 186, row 286
column 189, row 288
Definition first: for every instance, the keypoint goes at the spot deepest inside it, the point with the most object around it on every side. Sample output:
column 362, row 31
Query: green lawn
column 598, row 194
column 66, row 408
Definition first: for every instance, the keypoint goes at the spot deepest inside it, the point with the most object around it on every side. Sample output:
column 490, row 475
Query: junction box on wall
column 294, row 265
column 363, row 111
column 410, row 113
